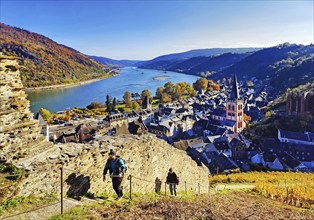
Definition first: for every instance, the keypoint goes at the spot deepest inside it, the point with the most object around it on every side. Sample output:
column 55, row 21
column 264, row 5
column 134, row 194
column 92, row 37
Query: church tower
column 235, row 106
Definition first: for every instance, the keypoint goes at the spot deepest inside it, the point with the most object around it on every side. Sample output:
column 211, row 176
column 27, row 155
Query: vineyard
column 291, row 188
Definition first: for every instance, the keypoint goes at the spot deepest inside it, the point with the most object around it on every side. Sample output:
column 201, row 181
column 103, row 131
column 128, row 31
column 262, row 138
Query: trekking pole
column 185, row 187
column 61, row 172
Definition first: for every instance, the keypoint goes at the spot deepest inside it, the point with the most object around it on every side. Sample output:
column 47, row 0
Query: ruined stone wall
column 20, row 136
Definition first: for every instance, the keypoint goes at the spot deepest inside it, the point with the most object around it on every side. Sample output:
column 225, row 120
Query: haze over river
column 130, row 79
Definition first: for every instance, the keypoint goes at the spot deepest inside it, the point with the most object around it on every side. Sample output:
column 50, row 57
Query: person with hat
column 116, row 168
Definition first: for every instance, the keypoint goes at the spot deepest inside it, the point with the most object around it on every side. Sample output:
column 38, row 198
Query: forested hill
column 45, row 62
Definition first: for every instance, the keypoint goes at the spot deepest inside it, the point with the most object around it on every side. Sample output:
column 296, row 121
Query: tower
column 234, row 107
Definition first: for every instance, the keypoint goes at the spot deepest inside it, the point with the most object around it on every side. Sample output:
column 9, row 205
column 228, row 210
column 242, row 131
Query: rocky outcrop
column 20, row 136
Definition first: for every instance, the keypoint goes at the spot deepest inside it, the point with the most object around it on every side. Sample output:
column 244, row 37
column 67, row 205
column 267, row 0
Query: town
column 210, row 127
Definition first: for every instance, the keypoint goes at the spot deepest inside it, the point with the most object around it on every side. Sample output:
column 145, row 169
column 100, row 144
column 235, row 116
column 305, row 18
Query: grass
column 25, row 202
column 78, row 213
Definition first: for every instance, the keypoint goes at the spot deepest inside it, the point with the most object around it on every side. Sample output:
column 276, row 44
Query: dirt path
column 53, row 209
column 45, row 212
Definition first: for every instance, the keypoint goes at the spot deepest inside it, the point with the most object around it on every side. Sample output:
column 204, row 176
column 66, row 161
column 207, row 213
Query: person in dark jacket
column 116, row 168
column 173, row 181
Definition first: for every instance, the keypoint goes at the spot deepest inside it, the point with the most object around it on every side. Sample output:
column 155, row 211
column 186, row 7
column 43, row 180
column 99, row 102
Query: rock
column 18, row 129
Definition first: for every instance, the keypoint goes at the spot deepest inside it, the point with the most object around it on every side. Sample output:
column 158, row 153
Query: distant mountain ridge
column 45, row 62
column 116, row 63
column 285, row 65
column 197, row 53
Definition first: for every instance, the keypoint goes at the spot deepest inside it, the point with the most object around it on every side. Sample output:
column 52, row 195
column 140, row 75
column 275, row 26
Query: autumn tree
column 166, row 98
column 169, row 88
column 213, row 86
column 45, row 113
column 135, row 105
column 201, row 83
column 159, row 92
column 246, row 118
column 127, row 99
column 147, row 93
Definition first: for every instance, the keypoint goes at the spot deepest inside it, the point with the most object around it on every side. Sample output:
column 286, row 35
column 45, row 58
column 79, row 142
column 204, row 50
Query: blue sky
column 146, row 29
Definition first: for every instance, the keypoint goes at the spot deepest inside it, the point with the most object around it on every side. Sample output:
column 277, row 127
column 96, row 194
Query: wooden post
column 130, row 177
column 185, row 187
column 165, row 188
column 61, row 172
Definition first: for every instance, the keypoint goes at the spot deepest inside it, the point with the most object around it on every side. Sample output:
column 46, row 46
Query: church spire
column 235, row 89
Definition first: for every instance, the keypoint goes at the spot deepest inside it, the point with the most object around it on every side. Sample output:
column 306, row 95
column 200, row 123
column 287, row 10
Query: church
column 235, row 106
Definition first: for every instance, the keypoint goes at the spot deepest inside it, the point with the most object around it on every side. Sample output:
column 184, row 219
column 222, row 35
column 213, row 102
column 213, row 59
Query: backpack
column 119, row 158
column 177, row 180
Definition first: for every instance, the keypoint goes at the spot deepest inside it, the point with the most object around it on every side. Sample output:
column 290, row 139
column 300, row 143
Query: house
column 197, row 143
column 272, row 161
column 112, row 120
column 258, row 159
column 291, row 163
column 137, row 127
column 302, row 152
column 195, row 155
column 187, row 122
column 295, row 137
column 85, row 132
column 219, row 114
column 67, row 137
column 220, row 145
column 146, row 104
column 219, row 162
column 158, row 130
column 238, row 150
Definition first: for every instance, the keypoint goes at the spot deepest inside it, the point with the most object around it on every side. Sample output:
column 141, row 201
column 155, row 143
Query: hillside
column 225, row 206
column 196, row 53
column 269, row 61
column 46, row 62
column 196, row 65
column 114, row 63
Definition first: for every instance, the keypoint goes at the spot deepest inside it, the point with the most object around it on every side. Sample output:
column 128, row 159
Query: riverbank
column 68, row 85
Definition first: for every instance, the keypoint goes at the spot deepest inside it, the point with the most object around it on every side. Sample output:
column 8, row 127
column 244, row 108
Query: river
column 130, row 79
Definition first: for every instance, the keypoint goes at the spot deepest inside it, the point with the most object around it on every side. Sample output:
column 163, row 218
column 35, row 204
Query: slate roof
column 301, row 152
column 290, row 161
column 235, row 89
column 222, row 145
column 220, row 162
column 269, row 157
column 294, row 135
column 219, row 112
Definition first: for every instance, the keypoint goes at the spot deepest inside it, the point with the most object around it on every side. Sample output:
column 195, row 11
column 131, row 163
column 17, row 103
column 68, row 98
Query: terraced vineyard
column 292, row 188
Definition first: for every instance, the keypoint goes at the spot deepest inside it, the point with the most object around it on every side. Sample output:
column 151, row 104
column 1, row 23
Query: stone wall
column 146, row 158
column 20, row 136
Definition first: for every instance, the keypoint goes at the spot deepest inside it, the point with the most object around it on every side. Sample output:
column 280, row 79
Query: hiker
column 157, row 185
column 173, row 181
column 116, row 168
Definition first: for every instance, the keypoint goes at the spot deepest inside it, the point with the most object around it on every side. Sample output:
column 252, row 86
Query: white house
column 295, row 137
